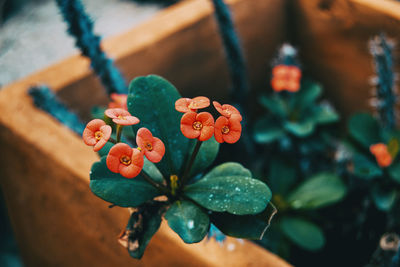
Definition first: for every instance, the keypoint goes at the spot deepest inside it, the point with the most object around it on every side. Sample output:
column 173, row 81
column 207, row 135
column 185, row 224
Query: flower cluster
column 227, row 128
column 382, row 155
column 122, row 158
column 286, row 77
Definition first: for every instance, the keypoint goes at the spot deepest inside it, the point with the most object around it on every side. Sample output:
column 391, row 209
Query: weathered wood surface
column 333, row 36
column 44, row 168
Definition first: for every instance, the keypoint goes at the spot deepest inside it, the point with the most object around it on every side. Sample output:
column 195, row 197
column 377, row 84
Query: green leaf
column 152, row 100
column 325, row 114
column 228, row 169
column 318, row 191
column 188, row 220
column 275, row 104
column 365, row 168
column 244, row 226
column 142, row 225
column 121, row 191
column 238, row 195
column 307, row 95
column 301, row 128
column 383, row 199
column 364, row 129
column 281, row 176
column 394, row 171
column 106, row 148
column 303, row 233
column 267, row 131
column 206, row 156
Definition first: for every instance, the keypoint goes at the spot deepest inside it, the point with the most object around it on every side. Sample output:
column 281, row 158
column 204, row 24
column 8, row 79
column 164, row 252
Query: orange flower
column 96, row 134
column 382, row 155
column 118, row 101
column 227, row 110
column 187, row 104
column 227, row 130
column 125, row 160
column 121, row 116
column 152, row 147
column 200, row 126
column 286, row 78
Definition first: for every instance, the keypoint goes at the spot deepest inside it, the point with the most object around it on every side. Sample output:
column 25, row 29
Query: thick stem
column 112, row 140
column 119, row 132
column 160, row 187
column 189, row 165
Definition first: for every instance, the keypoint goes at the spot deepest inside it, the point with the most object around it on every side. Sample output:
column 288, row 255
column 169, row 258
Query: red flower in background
column 118, row 101
column 382, row 155
column 152, row 147
column 200, row 126
column 286, row 78
column 227, row 110
column 125, row 160
column 187, row 104
column 227, row 130
column 121, row 116
column 96, row 134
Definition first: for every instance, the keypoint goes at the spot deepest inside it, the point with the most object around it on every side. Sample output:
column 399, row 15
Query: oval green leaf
column 152, row 100
column 303, row 233
column 318, row 191
column 238, row 195
column 188, row 220
column 364, row 129
column 267, row 131
column 228, row 169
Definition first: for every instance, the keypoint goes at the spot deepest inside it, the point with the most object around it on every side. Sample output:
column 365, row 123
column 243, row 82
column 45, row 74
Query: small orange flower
column 200, row 126
column 118, row 101
column 125, row 160
column 152, row 147
column 121, row 116
column 227, row 110
column 286, row 78
column 382, row 155
column 227, row 130
column 187, row 104
column 96, row 134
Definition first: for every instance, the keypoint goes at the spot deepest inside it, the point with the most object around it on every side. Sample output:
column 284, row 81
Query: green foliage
column 365, row 168
column 238, row 195
column 188, row 220
column 364, row 129
column 318, row 191
column 394, row 171
column 152, row 100
column 383, row 199
column 206, row 156
column 303, row 233
column 244, row 226
column 297, row 114
column 281, row 176
column 120, row 191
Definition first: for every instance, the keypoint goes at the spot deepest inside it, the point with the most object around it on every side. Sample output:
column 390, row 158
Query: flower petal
column 114, row 113
column 143, row 136
column 205, row 118
column 127, row 120
column 136, row 166
column 113, row 163
column 206, row 133
column 106, row 130
column 158, row 151
column 199, row 102
column 120, row 149
column 219, row 123
column 88, row 137
column 99, row 145
column 182, row 104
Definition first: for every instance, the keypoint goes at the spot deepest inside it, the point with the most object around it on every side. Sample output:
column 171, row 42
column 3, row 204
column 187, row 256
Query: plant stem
column 191, row 161
column 112, row 140
column 158, row 186
column 119, row 131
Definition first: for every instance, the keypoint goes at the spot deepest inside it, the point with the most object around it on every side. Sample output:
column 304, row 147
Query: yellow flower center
column 148, row 146
column 121, row 117
column 125, row 160
column 225, row 129
column 98, row 135
column 197, row 125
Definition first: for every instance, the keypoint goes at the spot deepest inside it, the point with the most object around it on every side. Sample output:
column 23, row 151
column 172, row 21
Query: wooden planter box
column 44, row 167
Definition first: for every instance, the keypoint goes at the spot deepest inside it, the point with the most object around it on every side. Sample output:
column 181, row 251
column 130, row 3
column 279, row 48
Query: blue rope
column 46, row 100
column 233, row 51
column 382, row 51
column 81, row 27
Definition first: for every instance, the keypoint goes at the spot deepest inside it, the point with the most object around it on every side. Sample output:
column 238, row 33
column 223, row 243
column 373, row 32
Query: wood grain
column 44, row 167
